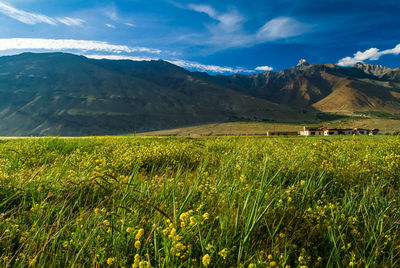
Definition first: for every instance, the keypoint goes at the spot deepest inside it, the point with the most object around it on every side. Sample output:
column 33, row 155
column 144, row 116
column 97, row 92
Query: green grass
column 221, row 202
column 378, row 114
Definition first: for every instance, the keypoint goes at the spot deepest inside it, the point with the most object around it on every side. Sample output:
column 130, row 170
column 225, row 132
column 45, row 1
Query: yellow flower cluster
column 186, row 218
column 140, row 263
column 206, row 260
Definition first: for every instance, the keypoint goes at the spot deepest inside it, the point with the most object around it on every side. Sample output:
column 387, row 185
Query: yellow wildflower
column 206, row 260
column 224, row 253
column 180, row 247
column 209, row 247
column 139, row 234
column 110, row 261
column 172, row 233
column 137, row 244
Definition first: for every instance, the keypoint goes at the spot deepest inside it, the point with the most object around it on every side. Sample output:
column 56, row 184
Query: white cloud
column 227, row 22
column 395, row 50
column 264, row 68
column 204, row 9
column 228, row 29
column 110, row 26
column 369, row 54
column 130, row 24
column 34, row 18
column 111, row 13
column 184, row 64
column 68, row 44
column 281, row 27
column 71, row 21
column 25, row 17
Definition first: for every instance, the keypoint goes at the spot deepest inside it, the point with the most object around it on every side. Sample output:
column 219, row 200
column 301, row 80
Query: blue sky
column 214, row 36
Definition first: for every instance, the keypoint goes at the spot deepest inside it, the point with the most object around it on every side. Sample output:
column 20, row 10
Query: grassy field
column 211, row 202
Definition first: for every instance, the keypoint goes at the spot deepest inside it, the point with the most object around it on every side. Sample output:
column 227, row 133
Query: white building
column 312, row 131
column 337, row 131
column 323, row 131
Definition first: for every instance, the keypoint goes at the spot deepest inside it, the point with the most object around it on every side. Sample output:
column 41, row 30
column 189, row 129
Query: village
column 323, row 131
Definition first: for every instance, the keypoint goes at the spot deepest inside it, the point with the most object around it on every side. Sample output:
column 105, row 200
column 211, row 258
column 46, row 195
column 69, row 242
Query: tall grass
column 216, row 202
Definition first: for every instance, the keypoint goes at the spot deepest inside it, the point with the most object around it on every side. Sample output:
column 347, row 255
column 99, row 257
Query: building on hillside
column 337, row 131
column 312, row 131
column 362, row 131
column 323, row 131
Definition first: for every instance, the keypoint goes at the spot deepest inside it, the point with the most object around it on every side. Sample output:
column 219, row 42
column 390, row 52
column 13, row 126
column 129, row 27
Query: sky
column 235, row 36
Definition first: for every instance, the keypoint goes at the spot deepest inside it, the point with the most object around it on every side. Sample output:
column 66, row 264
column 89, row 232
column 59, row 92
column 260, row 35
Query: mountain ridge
column 306, row 85
column 66, row 94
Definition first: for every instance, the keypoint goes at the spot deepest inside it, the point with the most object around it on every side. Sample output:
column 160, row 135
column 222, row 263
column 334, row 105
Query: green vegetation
column 378, row 114
column 331, row 116
column 227, row 201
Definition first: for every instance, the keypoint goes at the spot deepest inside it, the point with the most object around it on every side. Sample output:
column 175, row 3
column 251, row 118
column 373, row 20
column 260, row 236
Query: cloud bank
column 369, row 54
column 184, row 64
column 35, row 18
column 208, row 68
column 68, row 44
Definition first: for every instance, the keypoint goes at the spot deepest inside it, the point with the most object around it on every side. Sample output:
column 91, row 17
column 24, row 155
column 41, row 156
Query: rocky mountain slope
column 65, row 94
column 376, row 70
column 324, row 87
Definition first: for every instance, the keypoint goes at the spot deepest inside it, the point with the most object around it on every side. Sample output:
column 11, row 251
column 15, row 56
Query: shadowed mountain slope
column 64, row 94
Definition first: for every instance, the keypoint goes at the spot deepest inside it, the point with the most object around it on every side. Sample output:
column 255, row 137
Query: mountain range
column 70, row 95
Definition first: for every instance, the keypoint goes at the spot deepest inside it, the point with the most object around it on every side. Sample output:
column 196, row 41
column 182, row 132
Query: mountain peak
column 377, row 70
column 303, row 62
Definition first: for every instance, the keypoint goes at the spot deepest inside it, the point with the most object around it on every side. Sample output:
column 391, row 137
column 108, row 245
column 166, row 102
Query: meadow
column 200, row 202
